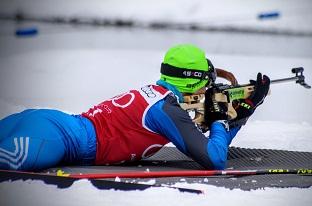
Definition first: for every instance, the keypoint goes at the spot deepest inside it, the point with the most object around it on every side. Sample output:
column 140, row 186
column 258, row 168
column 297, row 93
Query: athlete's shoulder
column 169, row 106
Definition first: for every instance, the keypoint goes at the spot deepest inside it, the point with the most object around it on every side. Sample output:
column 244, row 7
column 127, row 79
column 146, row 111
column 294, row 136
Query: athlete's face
column 201, row 91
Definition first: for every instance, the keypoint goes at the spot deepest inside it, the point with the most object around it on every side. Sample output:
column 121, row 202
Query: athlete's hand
column 214, row 110
column 262, row 86
column 247, row 107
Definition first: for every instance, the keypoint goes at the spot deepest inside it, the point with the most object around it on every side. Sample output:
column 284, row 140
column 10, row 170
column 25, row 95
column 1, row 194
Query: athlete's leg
column 38, row 139
column 29, row 141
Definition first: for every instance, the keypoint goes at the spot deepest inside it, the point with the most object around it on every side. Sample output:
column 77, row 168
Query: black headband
column 173, row 71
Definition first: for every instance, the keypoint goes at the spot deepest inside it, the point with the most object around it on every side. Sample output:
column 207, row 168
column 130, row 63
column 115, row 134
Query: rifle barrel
column 276, row 81
column 298, row 79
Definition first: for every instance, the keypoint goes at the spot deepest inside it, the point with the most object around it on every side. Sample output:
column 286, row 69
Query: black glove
column 247, row 107
column 214, row 110
column 262, row 86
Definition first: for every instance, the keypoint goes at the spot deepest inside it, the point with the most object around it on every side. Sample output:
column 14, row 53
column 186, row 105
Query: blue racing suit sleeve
column 168, row 119
column 219, row 140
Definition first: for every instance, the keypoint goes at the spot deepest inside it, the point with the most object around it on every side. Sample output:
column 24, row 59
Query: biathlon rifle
column 230, row 94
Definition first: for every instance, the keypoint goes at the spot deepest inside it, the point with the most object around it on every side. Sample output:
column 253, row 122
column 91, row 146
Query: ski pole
column 186, row 173
column 65, row 181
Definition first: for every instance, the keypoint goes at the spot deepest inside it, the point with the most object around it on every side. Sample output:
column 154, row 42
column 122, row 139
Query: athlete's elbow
column 218, row 156
column 219, row 163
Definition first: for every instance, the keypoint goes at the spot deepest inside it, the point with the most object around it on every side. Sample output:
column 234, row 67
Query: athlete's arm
column 168, row 119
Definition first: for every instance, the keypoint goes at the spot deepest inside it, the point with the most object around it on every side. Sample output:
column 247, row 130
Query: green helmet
column 186, row 67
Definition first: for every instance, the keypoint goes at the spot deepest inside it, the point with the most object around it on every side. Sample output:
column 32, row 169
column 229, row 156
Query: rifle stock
column 229, row 95
column 195, row 103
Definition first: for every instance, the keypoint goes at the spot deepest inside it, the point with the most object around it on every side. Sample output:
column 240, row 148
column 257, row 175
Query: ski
column 187, row 173
column 65, row 181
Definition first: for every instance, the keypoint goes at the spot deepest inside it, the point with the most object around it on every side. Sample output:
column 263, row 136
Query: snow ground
column 73, row 68
column 82, row 193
